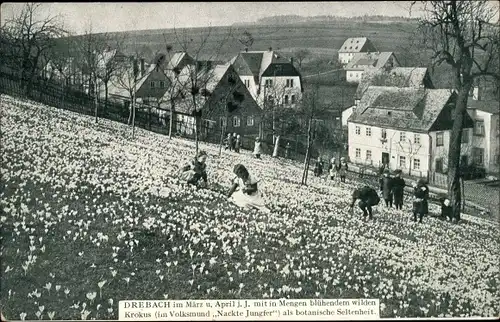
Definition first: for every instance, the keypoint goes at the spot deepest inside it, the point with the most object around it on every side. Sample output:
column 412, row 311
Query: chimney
column 142, row 67
column 291, row 60
column 246, row 49
column 270, row 48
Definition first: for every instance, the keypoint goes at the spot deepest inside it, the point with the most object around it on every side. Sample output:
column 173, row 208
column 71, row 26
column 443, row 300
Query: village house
column 225, row 103
column 368, row 61
column 353, row 46
column 406, row 128
column 271, row 79
column 484, row 139
column 416, row 77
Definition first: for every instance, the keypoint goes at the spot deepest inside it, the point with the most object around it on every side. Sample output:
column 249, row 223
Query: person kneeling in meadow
column 195, row 170
column 244, row 192
column 368, row 198
column 446, row 209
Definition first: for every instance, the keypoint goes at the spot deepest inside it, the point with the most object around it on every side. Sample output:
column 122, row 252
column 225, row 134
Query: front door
column 385, row 158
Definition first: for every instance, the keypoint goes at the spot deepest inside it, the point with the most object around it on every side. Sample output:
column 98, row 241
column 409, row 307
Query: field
column 91, row 216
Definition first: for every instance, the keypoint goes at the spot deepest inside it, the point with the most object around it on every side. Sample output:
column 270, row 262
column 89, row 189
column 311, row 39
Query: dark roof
column 412, row 109
column 253, row 60
column 362, row 61
column 241, row 66
column 280, row 69
column 492, row 107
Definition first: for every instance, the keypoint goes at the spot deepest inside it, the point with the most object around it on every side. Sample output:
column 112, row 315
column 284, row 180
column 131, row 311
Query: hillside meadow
column 91, row 216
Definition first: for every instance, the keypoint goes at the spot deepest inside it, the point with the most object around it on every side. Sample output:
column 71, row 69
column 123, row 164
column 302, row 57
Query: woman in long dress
column 244, row 192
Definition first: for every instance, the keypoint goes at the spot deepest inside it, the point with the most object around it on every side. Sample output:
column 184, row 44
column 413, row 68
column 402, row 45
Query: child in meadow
column 446, row 209
column 398, row 188
column 333, row 169
column 237, row 144
column 257, row 150
column 342, row 169
column 368, row 198
column 244, row 191
column 420, row 204
column 318, row 167
column 195, row 170
column 386, row 187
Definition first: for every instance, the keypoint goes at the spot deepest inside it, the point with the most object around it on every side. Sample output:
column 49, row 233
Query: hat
column 422, row 181
column 398, row 171
column 257, row 139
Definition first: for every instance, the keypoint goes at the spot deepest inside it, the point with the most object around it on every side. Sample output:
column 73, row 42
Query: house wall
column 490, row 141
column 441, row 152
column 346, row 114
column 409, row 149
column 345, row 58
column 354, row 76
column 278, row 89
column 252, row 88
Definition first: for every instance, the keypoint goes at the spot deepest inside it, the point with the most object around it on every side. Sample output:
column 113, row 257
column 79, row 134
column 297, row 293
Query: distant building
column 353, row 46
column 400, row 77
column 406, row 128
column 270, row 78
column 362, row 62
column 225, row 103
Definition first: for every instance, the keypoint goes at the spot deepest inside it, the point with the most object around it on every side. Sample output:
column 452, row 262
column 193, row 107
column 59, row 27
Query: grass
column 85, row 205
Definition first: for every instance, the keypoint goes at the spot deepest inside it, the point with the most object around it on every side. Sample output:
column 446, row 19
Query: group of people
column 335, row 169
column 244, row 190
column 233, row 142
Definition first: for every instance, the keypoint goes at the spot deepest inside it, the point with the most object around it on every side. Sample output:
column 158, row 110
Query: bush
column 470, row 172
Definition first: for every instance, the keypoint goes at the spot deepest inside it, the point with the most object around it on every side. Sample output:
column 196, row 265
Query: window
column 358, row 153
column 286, row 99
column 247, row 83
column 152, row 84
column 497, row 159
column 269, row 82
column 402, row 162
column 416, row 138
column 465, row 135
column 439, row 139
column 464, row 160
column 479, row 128
column 223, row 122
column 368, row 155
column 250, row 121
column 236, row 121
column 162, row 84
column 368, row 131
column 350, row 74
column 402, row 136
column 478, row 156
column 293, row 99
column 384, row 134
column 439, row 165
column 289, row 83
column 208, row 124
column 416, row 164
column 358, row 130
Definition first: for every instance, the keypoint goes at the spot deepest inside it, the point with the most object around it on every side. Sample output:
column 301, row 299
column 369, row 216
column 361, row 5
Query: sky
column 125, row 16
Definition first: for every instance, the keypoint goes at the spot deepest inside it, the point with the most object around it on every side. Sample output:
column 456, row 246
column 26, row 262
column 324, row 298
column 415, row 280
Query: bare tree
column 410, row 149
column 196, row 76
column 464, row 35
column 300, row 55
column 246, row 39
column 29, row 38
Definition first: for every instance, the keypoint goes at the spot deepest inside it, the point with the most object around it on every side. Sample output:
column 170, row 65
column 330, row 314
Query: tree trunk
column 96, row 103
column 133, row 117
column 171, row 125
column 463, row 192
column 196, row 134
column 106, row 93
column 454, row 182
column 308, row 149
column 276, row 146
column 149, row 117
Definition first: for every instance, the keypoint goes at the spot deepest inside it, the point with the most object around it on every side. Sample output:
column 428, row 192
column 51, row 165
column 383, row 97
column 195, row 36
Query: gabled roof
column 397, row 77
column 257, row 63
column 241, row 66
column 491, row 107
column 362, row 61
column 357, row 45
column 412, row 109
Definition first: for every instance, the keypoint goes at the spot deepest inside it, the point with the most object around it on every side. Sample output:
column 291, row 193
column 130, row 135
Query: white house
column 352, row 46
column 485, row 137
column 368, row 61
column 270, row 78
column 406, row 128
